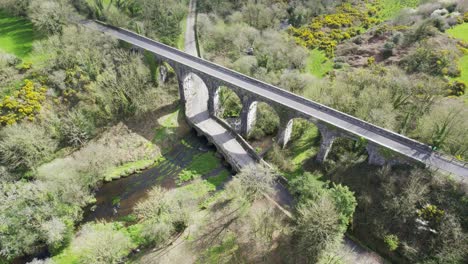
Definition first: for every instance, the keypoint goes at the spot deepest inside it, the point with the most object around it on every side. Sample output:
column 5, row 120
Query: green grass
column 300, row 150
column 390, row 8
column 131, row 218
column 116, row 200
column 106, row 3
column 218, row 253
column 183, row 30
column 197, row 189
column 199, row 166
column 168, row 126
column 127, row 169
column 318, row 64
column 219, row 179
column 17, row 36
column 306, row 146
column 461, row 32
column 463, row 64
column 66, row 257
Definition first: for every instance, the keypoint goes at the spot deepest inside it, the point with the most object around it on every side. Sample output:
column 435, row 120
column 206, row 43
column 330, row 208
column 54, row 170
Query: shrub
column 317, row 229
column 32, row 217
column 326, row 31
column 456, row 88
column 49, row 16
column 427, row 60
column 280, row 158
column 76, row 128
column 15, row 7
column 266, row 122
column 25, row 146
column 25, row 103
column 157, row 232
column 419, row 33
column 307, row 187
column 101, row 243
column 431, row 214
column 444, row 127
column 387, row 50
column 229, row 102
column 165, row 213
column 392, row 242
column 253, row 182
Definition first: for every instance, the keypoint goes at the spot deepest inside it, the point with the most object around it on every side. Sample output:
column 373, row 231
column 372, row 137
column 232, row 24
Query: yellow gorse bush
column 326, row 31
column 24, row 103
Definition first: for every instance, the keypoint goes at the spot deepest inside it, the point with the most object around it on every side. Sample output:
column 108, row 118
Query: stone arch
column 195, row 95
column 343, row 141
column 300, row 129
column 228, row 106
column 262, row 120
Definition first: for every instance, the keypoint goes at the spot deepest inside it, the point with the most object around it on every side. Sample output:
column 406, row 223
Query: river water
column 116, row 199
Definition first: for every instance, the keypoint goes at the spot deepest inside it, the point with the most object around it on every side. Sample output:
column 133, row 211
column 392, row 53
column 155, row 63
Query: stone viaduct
column 202, row 105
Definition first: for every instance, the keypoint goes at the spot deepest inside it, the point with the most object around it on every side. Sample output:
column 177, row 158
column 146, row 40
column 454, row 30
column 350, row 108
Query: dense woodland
column 66, row 104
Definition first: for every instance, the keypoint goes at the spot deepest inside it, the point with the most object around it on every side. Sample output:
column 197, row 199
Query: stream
column 117, row 198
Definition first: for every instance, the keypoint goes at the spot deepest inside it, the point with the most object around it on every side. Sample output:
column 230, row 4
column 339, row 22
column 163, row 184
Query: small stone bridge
column 199, row 86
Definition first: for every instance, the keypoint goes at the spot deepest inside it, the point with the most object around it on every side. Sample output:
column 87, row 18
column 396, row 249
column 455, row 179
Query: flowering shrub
column 24, row 103
column 326, row 31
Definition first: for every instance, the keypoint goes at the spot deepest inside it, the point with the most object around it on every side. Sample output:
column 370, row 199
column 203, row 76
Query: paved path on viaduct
column 291, row 105
column 198, row 114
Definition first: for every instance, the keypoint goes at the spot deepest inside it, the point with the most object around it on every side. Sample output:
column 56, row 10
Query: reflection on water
column 117, row 198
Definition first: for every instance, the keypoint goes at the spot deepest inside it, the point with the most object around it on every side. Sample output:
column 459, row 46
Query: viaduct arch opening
column 228, row 106
column 303, row 135
column 196, row 96
column 262, row 125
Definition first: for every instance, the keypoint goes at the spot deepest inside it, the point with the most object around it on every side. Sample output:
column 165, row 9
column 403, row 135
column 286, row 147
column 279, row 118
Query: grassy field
column 461, row 32
column 318, row 64
column 390, row 8
column 16, row 35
